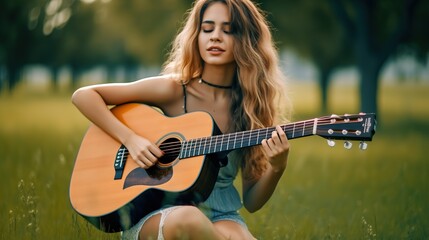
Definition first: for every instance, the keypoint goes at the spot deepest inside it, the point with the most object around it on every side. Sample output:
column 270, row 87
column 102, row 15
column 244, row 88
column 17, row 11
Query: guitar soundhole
column 171, row 149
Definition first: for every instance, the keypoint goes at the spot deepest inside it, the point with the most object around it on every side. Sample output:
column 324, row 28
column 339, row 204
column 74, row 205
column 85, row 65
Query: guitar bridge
column 120, row 160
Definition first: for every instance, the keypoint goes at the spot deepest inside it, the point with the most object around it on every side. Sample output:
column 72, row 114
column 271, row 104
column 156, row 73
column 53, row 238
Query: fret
column 221, row 144
column 181, row 150
column 293, row 131
column 205, row 145
column 183, row 153
column 257, row 137
column 267, row 133
column 227, row 143
column 303, row 128
column 250, row 138
column 194, row 147
column 199, row 147
column 210, row 145
column 216, row 138
column 189, row 148
column 235, row 139
column 315, row 126
column 254, row 141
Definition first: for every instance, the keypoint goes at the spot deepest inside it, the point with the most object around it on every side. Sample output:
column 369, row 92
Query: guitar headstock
column 355, row 127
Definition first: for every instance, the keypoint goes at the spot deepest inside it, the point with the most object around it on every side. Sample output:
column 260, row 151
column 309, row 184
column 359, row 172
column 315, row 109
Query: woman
column 222, row 62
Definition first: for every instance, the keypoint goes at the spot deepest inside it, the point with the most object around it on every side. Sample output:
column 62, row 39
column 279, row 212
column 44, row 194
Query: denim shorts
column 214, row 216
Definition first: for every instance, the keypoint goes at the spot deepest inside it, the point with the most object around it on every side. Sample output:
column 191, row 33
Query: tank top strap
column 184, row 98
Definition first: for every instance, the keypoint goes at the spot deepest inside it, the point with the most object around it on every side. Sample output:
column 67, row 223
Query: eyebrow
column 212, row 22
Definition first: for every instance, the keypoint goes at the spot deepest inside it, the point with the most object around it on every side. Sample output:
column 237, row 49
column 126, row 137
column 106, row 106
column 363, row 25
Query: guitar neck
column 237, row 140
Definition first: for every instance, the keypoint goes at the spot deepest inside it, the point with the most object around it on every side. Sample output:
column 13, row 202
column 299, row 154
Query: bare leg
column 185, row 222
column 149, row 229
column 232, row 230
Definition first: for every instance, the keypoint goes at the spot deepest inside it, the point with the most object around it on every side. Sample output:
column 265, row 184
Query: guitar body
column 115, row 200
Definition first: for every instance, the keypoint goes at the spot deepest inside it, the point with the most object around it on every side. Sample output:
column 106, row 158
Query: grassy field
column 326, row 193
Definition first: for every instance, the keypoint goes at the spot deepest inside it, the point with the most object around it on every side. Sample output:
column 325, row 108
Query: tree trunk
column 55, row 79
column 369, row 74
column 325, row 74
column 13, row 76
column 75, row 75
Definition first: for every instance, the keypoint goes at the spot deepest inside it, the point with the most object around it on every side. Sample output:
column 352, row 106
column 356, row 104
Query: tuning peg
column 363, row 145
column 331, row 143
column 347, row 145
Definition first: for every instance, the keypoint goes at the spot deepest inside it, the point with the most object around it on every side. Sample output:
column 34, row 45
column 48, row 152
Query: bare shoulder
column 158, row 91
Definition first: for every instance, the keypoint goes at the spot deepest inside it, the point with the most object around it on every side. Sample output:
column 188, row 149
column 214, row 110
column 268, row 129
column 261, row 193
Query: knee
column 188, row 216
column 187, row 219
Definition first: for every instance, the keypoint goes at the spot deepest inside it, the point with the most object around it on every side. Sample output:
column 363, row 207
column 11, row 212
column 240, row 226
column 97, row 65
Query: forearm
column 92, row 106
column 261, row 191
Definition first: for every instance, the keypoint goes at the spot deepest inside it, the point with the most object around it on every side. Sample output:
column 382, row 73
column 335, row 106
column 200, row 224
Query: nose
column 216, row 35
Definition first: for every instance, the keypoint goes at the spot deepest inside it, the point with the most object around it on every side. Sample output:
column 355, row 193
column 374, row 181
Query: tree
column 375, row 29
column 16, row 39
column 147, row 27
column 309, row 28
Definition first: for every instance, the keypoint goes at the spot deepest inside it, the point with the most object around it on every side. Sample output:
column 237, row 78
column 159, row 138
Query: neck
column 219, row 75
column 214, row 85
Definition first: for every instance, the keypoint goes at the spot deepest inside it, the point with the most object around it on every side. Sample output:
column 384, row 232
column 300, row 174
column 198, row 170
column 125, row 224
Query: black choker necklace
column 214, row 85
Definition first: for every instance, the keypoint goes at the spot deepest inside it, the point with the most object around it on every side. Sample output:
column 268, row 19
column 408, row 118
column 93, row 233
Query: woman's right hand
column 142, row 151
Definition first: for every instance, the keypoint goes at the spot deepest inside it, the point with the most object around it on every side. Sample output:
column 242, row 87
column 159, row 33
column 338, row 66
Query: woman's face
column 215, row 40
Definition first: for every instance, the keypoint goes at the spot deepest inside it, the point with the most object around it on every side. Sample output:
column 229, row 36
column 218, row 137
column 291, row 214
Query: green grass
column 325, row 193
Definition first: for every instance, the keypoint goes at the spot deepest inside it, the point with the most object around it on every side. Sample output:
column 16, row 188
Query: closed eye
column 209, row 26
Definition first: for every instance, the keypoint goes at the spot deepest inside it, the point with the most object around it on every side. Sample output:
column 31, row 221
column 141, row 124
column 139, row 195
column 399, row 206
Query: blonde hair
column 258, row 88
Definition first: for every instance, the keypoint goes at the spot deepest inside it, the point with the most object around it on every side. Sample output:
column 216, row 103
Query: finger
column 275, row 137
column 265, row 145
column 142, row 163
column 282, row 137
column 145, row 159
column 268, row 147
column 281, row 133
column 148, row 155
column 156, row 151
column 275, row 142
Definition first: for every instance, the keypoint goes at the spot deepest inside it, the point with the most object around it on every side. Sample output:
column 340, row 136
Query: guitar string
column 248, row 132
column 245, row 137
column 174, row 148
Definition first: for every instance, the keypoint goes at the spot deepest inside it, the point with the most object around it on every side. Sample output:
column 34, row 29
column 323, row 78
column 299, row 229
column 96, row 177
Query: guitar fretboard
column 232, row 141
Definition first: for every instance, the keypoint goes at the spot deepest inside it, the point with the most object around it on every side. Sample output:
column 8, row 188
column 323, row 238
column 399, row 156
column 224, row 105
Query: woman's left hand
column 277, row 149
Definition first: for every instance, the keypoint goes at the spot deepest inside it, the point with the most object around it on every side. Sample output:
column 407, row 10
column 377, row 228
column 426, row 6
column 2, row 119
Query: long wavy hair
column 258, row 91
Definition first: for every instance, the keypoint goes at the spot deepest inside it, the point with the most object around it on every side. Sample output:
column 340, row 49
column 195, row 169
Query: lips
column 215, row 49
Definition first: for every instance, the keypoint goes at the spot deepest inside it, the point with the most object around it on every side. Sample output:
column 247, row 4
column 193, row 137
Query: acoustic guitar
column 113, row 193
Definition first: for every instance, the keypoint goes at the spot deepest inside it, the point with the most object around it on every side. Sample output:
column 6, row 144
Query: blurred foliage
column 364, row 33
column 82, row 34
column 310, row 29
